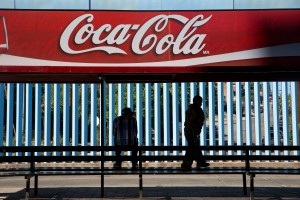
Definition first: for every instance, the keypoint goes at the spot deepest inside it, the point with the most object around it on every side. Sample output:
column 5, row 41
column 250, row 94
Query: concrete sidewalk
column 267, row 187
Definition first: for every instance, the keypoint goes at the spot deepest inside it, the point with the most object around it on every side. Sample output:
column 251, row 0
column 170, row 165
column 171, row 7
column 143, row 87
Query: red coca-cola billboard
column 147, row 42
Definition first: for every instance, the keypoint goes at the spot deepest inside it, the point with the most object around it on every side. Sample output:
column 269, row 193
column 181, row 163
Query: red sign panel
column 155, row 42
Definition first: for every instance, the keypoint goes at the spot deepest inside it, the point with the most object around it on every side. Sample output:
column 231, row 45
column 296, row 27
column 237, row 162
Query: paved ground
column 160, row 187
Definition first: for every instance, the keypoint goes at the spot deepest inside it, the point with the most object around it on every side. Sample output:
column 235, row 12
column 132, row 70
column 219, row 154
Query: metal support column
column 102, row 134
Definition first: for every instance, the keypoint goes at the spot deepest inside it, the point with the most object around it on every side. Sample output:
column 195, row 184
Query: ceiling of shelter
column 209, row 76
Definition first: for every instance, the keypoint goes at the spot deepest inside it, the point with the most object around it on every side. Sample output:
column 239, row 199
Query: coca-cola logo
column 186, row 42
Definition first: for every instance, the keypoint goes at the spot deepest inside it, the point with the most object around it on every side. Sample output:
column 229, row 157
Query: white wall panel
column 52, row 4
column 126, row 4
column 6, row 4
column 197, row 4
column 150, row 4
column 266, row 4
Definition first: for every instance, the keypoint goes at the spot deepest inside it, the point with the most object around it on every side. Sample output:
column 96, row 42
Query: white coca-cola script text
column 107, row 38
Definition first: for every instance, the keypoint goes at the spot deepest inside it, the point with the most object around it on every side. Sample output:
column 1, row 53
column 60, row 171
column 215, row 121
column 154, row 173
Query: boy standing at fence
column 194, row 119
column 125, row 134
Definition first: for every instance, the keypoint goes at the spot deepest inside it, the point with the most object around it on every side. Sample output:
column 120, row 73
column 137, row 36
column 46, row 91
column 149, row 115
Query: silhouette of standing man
column 125, row 134
column 194, row 120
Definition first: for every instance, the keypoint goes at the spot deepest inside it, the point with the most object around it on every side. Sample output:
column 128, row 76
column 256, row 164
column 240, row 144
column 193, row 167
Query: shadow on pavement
column 270, row 193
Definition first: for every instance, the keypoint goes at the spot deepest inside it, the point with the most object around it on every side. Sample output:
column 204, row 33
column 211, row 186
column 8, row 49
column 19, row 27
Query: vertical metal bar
column 75, row 116
column 248, row 113
column 175, row 116
column 19, row 116
column 47, row 117
column 148, row 108
column 111, row 113
column 247, row 161
column 139, row 112
column 244, row 184
column 27, row 187
column 103, row 126
column 285, row 116
column 211, row 104
column 56, row 122
column 36, row 180
column 38, row 128
column 193, row 91
column 266, row 99
column 130, row 95
column 102, row 131
column 28, row 117
column 202, row 91
column 120, row 98
column 84, row 116
column 140, row 175
column 257, row 112
column 184, row 105
column 221, row 135
column 275, row 116
column 252, row 186
column 295, row 117
column 166, row 108
column 239, row 116
column 1, row 114
column 93, row 116
column 157, row 126
column 66, row 116
column 230, row 115
column 9, row 115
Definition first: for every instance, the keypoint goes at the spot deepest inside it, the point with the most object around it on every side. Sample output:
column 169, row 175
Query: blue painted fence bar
column 295, row 117
column 184, row 105
column 111, row 111
column 285, row 128
column 94, row 123
column 242, row 114
column 47, row 116
column 139, row 112
column 166, row 116
column 74, row 116
column 157, row 125
column 120, row 98
column 37, row 117
column 103, row 110
column 202, row 92
column 19, row 115
column 1, row 114
column 66, row 115
column 239, row 116
column 220, row 134
column 56, row 118
column 211, row 108
column 248, row 113
column 148, row 111
column 175, row 116
column 230, row 115
column 28, row 116
column 276, row 127
column 266, row 100
column 84, row 116
column 257, row 113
